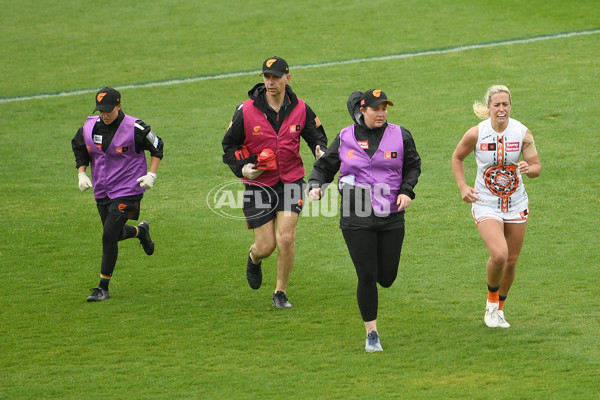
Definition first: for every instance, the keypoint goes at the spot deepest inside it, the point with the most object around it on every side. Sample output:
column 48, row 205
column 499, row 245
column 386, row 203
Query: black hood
column 354, row 107
column 256, row 91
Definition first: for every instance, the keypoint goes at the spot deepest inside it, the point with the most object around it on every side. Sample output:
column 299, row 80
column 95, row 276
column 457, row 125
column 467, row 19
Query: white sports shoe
column 372, row 343
column 491, row 317
column 503, row 323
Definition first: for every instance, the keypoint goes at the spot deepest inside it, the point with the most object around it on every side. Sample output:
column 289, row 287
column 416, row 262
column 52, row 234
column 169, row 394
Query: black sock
column 104, row 282
column 493, row 289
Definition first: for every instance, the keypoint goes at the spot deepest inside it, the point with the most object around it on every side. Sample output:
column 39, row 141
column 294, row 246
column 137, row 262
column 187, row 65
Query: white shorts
column 518, row 216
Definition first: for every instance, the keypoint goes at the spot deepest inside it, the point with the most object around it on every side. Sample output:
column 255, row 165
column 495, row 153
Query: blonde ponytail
column 481, row 110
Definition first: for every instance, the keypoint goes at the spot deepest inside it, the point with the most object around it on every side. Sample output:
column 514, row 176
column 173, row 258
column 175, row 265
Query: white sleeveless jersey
column 498, row 180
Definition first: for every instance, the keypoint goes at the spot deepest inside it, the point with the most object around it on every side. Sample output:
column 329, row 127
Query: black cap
column 374, row 97
column 107, row 99
column 276, row 66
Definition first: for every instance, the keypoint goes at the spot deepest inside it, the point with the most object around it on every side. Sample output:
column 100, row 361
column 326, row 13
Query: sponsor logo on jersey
column 295, row 128
column 364, row 144
column 512, row 146
column 390, row 154
column 488, row 147
column 122, row 149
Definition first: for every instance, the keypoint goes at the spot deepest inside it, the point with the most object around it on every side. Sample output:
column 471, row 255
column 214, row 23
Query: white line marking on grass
column 411, row 54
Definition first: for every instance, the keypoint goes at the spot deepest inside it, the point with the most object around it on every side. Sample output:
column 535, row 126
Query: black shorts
column 128, row 207
column 261, row 203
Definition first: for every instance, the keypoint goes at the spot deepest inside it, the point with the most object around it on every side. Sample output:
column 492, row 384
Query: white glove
column 250, row 172
column 84, row 181
column 147, row 181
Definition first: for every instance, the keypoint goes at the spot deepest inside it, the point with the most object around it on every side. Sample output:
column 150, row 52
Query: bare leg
column 371, row 326
column 286, row 245
column 515, row 235
column 264, row 242
column 492, row 234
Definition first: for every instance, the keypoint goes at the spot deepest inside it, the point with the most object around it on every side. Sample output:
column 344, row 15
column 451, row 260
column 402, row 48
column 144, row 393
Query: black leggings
column 376, row 255
column 115, row 229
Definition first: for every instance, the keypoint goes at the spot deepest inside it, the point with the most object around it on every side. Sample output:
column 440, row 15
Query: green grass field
column 183, row 324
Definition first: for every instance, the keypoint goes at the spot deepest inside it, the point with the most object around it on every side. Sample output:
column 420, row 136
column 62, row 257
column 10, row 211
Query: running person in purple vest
column 379, row 168
column 113, row 144
column 262, row 147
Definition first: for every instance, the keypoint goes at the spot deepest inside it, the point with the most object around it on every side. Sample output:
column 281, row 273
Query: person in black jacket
column 262, row 147
column 379, row 167
column 114, row 144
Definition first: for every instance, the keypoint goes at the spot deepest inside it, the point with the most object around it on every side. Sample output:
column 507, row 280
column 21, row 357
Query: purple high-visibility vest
column 382, row 174
column 115, row 171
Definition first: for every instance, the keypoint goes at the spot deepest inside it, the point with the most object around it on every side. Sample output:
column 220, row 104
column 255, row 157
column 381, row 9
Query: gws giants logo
column 502, row 181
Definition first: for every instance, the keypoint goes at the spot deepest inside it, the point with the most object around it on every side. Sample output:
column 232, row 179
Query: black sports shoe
column 280, row 300
column 98, row 294
column 144, row 237
column 253, row 272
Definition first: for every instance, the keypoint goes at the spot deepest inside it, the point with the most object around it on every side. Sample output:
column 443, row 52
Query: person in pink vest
column 262, row 147
column 379, row 167
column 504, row 151
column 114, row 145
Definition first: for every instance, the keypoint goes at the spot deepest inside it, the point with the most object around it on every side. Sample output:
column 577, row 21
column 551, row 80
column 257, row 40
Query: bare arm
column 154, row 162
column 530, row 165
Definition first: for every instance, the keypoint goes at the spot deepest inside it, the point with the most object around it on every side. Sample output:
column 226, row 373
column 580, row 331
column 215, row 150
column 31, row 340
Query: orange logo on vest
column 351, row 154
column 256, row 130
